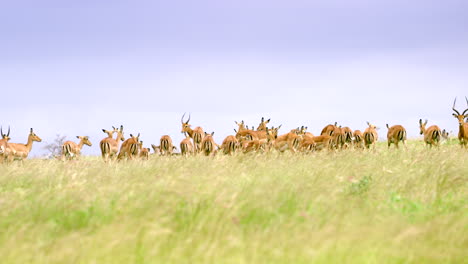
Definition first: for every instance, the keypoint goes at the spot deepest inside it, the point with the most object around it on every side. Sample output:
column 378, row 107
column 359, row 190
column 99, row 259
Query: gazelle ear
column 235, row 130
column 387, row 126
column 103, row 130
column 113, row 127
column 77, row 136
column 420, row 121
column 212, row 133
column 262, row 119
column 31, row 130
column 268, row 121
column 455, row 115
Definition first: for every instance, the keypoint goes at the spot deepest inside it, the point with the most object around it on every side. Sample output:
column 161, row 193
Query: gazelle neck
column 80, row 145
column 119, row 137
column 29, row 144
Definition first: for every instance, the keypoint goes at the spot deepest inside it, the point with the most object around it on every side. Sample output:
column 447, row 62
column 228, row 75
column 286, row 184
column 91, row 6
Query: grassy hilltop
column 386, row 206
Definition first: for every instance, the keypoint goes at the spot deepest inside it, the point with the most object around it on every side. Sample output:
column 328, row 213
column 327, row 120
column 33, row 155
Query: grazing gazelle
column 208, row 145
column 186, row 146
column 431, row 134
column 462, row 125
column 328, row 130
column 396, row 134
column 70, row 149
column 129, row 148
column 18, row 151
column 196, row 134
column 4, row 144
column 370, row 135
column 109, row 146
column 165, row 145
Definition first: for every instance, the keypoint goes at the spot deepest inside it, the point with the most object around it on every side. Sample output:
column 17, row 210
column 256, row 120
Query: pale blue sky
column 75, row 67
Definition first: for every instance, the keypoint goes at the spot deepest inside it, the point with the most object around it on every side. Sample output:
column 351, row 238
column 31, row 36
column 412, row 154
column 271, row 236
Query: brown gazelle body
column 462, row 125
column 196, row 134
column 308, row 144
column 289, row 141
column 208, row 145
column 338, row 136
column 20, row 151
column 396, row 134
column 230, row 145
column 322, row 142
column 165, row 145
column 110, row 146
column 370, row 135
column 70, row 149
column 348, row 136
column 328, row 130
column 129, row 148
column 186, row 146
column 358, row 139
column 432, row 134
column 4, row 144
column 143, row 152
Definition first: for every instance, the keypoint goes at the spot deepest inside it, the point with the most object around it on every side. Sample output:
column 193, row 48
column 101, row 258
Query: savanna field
column 382, row 206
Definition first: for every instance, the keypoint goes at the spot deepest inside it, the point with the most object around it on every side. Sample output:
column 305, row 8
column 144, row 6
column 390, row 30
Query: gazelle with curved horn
column 110, row 146
column 462, row 125
column 70, row 149
column 18, row 151
column 431, row 134
column 196, row 134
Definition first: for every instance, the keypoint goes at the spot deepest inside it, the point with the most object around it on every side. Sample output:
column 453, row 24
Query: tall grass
column 385, row 206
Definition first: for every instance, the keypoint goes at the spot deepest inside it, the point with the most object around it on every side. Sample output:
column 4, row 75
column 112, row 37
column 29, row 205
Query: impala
column 462, row 125
column 338, row 137
column 70, row 149
column 230, row 145
column 186, row 146
column 196, row 134
column 19, row 151
column 4, row 144
column 165, row 145
column 157, row 149
column 144, row 152
column 263, row 124
column 370, row 135
column 109, row 146
column 129, row 148
column 208, row 144
column 289, row 140
column 321, row 142
column 348, row 136
column 328, row 130
column 358, row 139
column 431, row 134
column 396, row 134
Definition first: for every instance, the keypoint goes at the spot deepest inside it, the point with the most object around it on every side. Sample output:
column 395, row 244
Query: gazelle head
column 136, row 138
column 110, row 133
column 370, row 125
column 33, row 136
column 5, row 136
column 85, row 140
column 241, row 125
column 185, row 124
column 263, row 124
column 422, row 126
column 121, row 133
column 461, row 117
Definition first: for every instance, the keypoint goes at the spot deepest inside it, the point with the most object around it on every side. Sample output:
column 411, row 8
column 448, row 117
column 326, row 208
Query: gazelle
column 289, row 140
column 396, row 134
column 208, row 145
column 196, row 134
column 348, row 136
column 165, row 145
column 263, row 124
column 321, row 142
column 109, row 146
column 338, row 137
column 431, row 134
column 156, row 149
column 4, row 144
column 144, row 152
column 358, row 139
column 370, row 135
column 186, row 146
column 19, row 151
column 328, row 130
column 462, row 125
column 70, row 149
column 129, row 148
column 230, row 145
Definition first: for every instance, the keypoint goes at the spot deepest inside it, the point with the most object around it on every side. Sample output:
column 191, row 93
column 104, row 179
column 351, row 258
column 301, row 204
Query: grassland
column 342, row 207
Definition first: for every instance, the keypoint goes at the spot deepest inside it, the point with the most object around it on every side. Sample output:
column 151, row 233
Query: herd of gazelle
column 263, row 138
